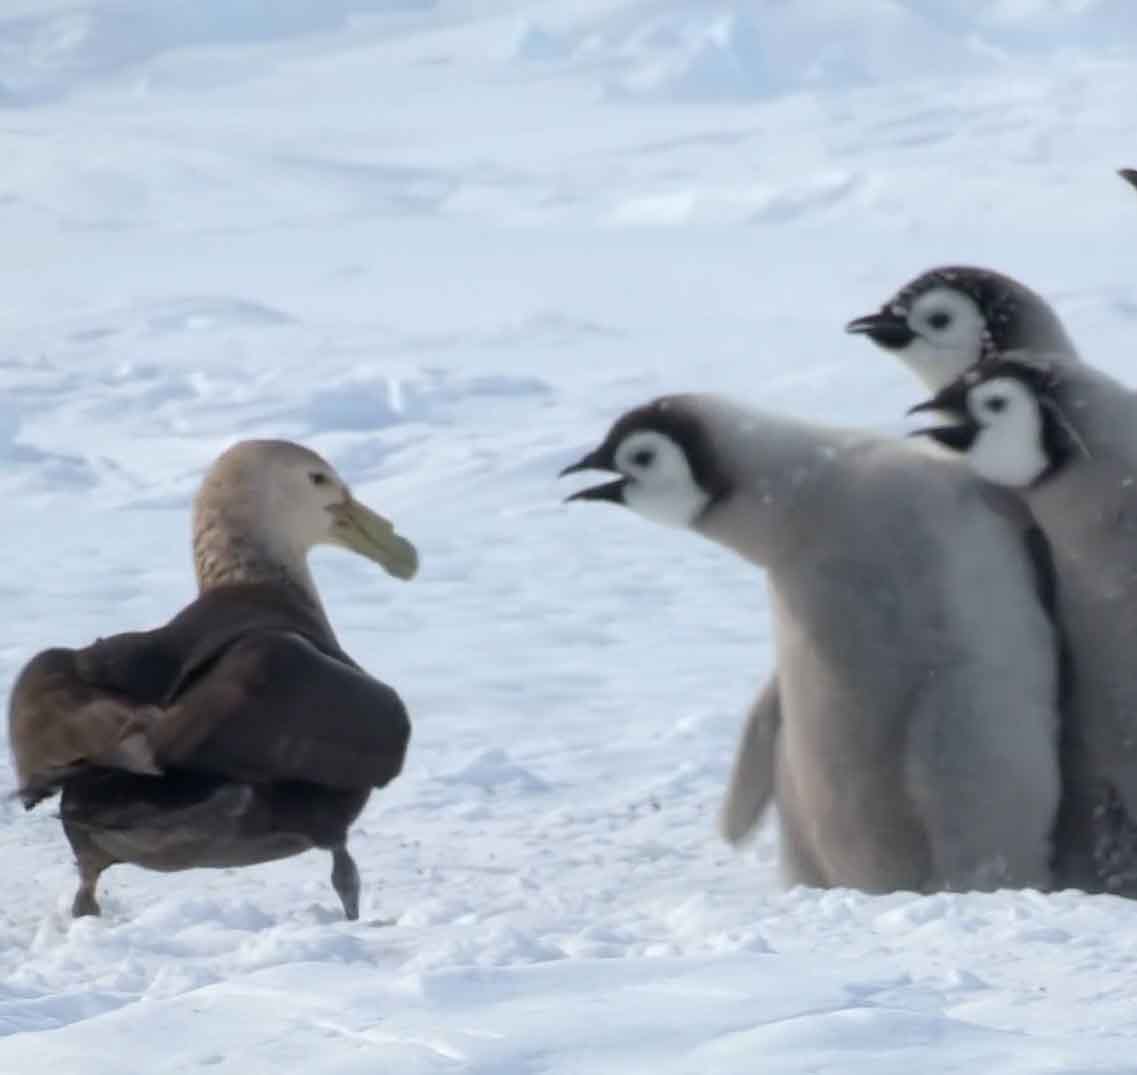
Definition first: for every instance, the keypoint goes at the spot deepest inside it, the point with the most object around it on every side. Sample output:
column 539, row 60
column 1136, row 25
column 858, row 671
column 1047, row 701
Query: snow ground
column 445, row 243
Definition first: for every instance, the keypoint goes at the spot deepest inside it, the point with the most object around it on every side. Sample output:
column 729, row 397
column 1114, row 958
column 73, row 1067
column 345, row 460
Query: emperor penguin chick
column 948, row 318
column 1063, row 438
column 914, row 723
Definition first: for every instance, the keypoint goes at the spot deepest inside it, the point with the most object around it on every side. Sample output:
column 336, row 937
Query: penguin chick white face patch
column 660, row 484
column 948, row 334
column 669, row 471
column 1008, row 447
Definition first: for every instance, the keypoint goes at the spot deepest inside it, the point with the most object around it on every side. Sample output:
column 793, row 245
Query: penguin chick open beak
column 951, row 402
column 886, row 327
column 598, row 459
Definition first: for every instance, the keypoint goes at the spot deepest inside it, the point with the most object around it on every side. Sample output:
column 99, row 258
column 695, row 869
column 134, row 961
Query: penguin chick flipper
column 752, row 776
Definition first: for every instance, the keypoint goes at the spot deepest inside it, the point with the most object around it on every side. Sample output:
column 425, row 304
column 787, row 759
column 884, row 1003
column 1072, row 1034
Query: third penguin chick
column 1059, row 437
column 916, row 666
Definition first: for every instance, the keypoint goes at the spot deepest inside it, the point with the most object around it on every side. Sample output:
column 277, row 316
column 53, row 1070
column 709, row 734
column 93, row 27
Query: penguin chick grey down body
column 940, row 325
column 1066, row 439
column 239, row 732
column 913, row 713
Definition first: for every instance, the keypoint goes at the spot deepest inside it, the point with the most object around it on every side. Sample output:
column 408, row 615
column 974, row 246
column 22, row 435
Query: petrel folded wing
column 273, row 707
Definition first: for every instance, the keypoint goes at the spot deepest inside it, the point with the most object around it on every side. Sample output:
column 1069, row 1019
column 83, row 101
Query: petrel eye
column 644, row 457
column 996, row 404
column 939, row 319
column 316, row 478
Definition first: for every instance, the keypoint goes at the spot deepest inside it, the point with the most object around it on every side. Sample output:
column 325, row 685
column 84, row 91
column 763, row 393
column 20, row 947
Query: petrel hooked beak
column 950, row 401
column 887, row 327
column 356, row 527
column 598, row 459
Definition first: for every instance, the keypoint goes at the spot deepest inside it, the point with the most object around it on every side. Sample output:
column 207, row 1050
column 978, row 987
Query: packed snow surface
column 445, row 244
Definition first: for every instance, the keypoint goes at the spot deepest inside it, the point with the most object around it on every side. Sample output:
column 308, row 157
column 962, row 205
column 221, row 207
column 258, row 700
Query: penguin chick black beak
column 886, row 327
column 598, row 459
column 1129, row 175
column 960, row 433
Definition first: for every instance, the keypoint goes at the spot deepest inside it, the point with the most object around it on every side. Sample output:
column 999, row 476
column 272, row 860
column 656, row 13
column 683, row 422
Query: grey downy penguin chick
column 239, row 732
column 948, row 318
column 1062, row 438
column 916, row 665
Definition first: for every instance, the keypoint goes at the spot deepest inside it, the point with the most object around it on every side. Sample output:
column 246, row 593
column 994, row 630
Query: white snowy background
column 446, row 242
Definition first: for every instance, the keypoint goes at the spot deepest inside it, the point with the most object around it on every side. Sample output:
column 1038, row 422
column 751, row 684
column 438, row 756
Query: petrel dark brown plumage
column 239, row 732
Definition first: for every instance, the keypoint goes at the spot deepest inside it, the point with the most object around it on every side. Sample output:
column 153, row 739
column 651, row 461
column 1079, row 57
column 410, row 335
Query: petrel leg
column 345, row 880
column 91, row 861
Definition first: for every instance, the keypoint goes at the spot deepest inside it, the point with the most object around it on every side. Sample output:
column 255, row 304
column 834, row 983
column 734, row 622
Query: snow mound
column 672, row 1016
column 493, row 772
column 370, row 401
column 747, row 50
column 46, row 54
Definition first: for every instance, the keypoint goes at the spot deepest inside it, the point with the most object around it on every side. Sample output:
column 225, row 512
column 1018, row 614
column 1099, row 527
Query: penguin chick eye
column 643, row 458
column 939, row 320
column 996, row 404
column 316, row 478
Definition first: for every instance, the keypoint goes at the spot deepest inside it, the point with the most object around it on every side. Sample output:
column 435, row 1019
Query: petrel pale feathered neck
column 224, row 554
column 237, row 537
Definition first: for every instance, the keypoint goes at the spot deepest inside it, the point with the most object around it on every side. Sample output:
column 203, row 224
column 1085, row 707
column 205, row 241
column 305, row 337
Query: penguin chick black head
column 948, row 319
column 1003, row 417
column 667, row 468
